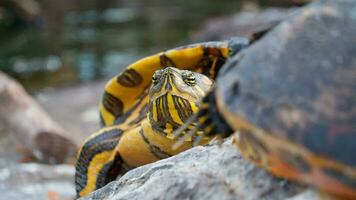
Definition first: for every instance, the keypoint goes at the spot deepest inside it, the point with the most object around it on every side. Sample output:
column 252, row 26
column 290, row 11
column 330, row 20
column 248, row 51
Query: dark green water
column 80, row 41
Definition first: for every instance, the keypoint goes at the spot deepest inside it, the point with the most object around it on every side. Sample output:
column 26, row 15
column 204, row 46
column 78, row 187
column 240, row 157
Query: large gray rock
column 208, row 172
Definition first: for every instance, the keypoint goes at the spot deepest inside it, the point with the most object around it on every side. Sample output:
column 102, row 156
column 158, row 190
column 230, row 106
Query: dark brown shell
column 299, row 83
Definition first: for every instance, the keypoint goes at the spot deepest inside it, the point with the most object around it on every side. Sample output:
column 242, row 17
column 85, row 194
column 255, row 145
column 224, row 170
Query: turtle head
column 174, row 97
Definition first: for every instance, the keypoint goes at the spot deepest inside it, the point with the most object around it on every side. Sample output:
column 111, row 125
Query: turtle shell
column 296, row 87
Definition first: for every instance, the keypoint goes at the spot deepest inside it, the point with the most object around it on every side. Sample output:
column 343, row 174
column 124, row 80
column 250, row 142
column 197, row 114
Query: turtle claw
column 190, row 134
column 180, row 142
column 180, row 131
column 197, row 140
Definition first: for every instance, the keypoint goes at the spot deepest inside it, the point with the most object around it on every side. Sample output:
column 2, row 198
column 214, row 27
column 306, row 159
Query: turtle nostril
column 169, row 71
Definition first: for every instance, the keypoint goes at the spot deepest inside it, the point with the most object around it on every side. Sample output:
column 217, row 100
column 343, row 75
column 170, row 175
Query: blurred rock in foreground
column 208, row 172
column 37, row 182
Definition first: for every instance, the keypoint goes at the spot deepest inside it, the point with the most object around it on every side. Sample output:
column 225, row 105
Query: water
column 72, row 42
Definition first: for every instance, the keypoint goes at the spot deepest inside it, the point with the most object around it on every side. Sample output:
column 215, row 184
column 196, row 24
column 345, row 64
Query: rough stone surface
column 310, row 194
column 208, row 172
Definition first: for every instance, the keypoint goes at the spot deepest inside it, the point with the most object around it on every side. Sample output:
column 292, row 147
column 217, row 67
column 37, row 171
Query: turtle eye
column 156, row 76
column 189, row 79
column 155, row 79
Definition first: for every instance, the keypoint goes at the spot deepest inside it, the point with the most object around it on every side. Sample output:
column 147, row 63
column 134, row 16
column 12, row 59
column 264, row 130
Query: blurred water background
column 51, row 43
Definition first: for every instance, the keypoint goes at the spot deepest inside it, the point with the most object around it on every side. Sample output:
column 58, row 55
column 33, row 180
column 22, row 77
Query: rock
column 243, row 24
column 37, row 181
column 81, row 103
column 8, row 148
column 46, row 141
column 309, row 194
column 204, row 172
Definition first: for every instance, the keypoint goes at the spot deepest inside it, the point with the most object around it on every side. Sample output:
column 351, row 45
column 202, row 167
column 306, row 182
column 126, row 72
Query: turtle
column 142, row 106
column 296, row 120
